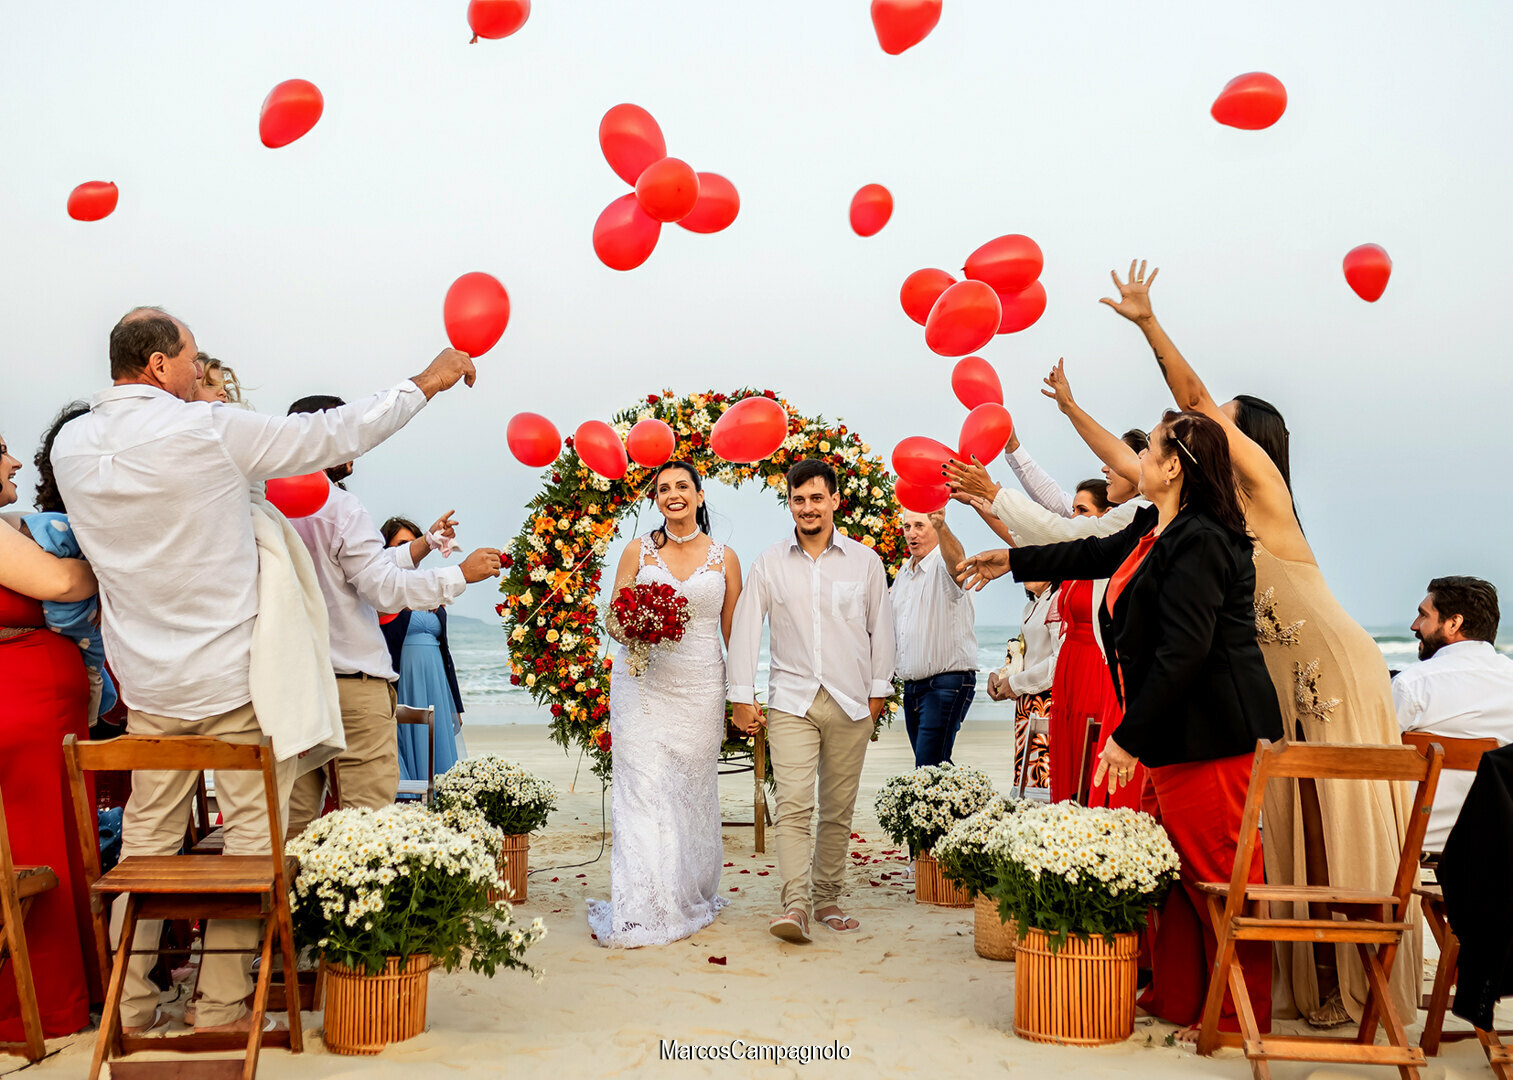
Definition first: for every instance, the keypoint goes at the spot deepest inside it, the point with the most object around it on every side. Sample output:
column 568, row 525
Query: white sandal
column 791, row 926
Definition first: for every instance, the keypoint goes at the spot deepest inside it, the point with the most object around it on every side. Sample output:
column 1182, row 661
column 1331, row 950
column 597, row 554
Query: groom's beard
column 815, row 531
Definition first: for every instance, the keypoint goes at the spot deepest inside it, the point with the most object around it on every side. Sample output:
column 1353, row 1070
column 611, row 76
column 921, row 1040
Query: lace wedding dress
column 665, row 730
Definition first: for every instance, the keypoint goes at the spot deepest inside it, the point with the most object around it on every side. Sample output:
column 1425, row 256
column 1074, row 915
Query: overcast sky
column 321, row 267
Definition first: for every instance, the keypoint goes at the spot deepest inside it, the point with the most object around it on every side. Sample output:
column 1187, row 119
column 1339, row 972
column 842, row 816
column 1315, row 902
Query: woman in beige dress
column 1333, row 687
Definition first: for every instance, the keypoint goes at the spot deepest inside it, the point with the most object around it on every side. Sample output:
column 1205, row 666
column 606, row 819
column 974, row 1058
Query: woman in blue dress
column 418, row 647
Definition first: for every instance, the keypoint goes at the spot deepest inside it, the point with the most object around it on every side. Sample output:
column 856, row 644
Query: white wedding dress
column 665, row 732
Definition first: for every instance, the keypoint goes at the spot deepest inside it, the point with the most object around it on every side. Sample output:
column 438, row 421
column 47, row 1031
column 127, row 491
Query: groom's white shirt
column 832, row 626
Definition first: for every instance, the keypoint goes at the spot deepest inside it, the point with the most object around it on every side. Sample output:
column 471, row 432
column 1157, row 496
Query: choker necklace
column 675, row 538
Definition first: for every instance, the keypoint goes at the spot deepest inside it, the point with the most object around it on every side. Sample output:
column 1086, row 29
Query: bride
column 666, row 727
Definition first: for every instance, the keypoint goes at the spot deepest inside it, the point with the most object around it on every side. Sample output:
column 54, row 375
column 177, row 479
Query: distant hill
column 464, row 620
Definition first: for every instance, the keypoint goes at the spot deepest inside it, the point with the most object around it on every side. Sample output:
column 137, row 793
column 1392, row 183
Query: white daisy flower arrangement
column 968, row 852
column 401, row 881
column 1070, row 869
column 511, row 799
column 920, row 806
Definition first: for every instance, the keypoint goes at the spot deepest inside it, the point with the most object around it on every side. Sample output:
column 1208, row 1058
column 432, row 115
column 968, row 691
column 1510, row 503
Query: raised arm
column 1037, row 483
column 951, row 550
column 1269, row 509
column 1031, row 524
column 1111, row 449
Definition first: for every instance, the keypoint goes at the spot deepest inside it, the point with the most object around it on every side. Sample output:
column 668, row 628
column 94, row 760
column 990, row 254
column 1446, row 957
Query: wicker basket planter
column 991, row 938
column 365, row 1013
column 514, row 865
column 1084, row 995
column 931, row 887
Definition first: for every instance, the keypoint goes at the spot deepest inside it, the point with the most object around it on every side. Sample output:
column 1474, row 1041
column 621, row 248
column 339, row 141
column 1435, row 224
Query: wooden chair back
column 1298, row 760
column 410, row 714
column 1462, row 755
column 13, row 935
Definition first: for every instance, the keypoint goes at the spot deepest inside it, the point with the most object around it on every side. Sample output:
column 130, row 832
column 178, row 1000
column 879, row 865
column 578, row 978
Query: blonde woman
column 218, row 382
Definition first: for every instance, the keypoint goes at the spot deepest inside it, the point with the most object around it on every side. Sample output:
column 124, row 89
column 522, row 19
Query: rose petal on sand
column 717, row 960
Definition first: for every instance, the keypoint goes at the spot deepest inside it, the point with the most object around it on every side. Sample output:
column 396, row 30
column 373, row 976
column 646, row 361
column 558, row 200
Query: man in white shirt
column 830, row 675
column 359, row 577
column 1464, row 687
column 936, row 644
column 157, row 487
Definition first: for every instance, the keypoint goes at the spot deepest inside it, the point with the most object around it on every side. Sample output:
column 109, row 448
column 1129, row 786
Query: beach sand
column 906, row 994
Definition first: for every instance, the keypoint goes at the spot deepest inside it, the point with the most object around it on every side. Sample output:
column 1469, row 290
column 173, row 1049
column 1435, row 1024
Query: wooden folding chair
column 19, row 886
column 761, row 815
column 185, row 887
column 1374, row 922
column 425, row 789
column 1462, row 755
column 1083, row 792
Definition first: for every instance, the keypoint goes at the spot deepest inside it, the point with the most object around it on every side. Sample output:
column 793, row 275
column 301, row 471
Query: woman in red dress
column 45, row 696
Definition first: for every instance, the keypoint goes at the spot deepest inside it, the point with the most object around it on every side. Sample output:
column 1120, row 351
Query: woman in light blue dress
column 418, row 647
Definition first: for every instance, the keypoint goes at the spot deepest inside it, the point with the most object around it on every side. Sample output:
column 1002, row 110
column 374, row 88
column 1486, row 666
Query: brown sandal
column 791, row 926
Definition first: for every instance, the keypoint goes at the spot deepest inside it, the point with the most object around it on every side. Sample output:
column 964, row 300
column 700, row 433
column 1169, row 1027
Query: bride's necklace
column 675, row 538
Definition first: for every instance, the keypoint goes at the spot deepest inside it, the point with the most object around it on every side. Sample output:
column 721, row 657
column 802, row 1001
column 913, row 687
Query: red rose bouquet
column 644, row 616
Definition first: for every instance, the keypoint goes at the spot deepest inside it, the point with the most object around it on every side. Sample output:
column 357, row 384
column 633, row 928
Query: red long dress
column 1082, row 688
column 44, row 695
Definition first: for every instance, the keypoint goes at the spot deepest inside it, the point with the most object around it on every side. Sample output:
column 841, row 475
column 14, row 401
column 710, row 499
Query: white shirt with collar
column 1039, row 484
column 832, row 626
column 1463, row 691
column 359, row 577
column 157, row 493
column 932, row 620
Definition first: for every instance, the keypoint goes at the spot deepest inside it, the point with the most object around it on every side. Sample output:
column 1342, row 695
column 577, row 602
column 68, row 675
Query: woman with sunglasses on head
column 1331, row 682
column 1178, row 622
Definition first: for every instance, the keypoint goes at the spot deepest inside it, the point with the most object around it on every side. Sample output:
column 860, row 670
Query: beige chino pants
column 369, row 765
column 822, row 749
column 155, row 822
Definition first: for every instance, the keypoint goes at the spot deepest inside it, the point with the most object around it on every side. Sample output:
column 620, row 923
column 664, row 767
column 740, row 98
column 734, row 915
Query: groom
column 831, row 671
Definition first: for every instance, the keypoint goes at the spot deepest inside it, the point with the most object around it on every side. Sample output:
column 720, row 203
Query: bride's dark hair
column 701, row 515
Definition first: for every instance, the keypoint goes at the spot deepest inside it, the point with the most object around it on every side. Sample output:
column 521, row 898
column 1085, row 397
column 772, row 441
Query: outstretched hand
column 971, row 480
column 1060, row 387
column 975, row 572
column 1134, row 301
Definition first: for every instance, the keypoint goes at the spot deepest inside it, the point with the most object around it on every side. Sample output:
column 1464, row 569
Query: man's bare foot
column 837, row 920
column 240, row 1027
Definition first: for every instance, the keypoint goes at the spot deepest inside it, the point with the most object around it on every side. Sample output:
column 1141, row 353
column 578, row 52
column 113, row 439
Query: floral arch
column 552, row 569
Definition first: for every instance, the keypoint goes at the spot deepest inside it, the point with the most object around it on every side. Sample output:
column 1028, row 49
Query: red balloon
column 290, row 109
column 919, row 459
column 964, row 319
column 476, row 311
column 600, row 449
column 985, row 432
column 1250, row 102
column 299, row 496
column 92, row 201
column 750, row 430
column 871, row 207
column 1007, row 263
column 651, row 443
column 1367, row 269
column 974, row 382
column 921, row 498
column 717, row 207
column 902, row 24
column 533, row 439
column 631, row 140
column 497, row 18
column 921, row 289
column 625, row 235
column 668, row 189
column 1022, row 309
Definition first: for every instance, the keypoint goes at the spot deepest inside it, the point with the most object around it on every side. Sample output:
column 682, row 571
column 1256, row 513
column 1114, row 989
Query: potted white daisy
column 384, row 896
column 919, row 807
column 510, row 798
column 1080, row 882
column 968, row 856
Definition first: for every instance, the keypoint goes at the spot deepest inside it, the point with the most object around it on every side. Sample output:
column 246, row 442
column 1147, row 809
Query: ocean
column 483, row 670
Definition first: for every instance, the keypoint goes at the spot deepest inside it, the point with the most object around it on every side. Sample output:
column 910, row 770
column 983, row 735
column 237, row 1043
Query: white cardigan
column 1042, row 643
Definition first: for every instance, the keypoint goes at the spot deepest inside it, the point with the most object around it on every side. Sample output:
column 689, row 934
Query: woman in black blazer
column 1180, row 616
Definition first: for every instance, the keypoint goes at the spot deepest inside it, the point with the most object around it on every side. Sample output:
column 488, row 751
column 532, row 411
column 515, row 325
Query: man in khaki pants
column 360, row 577
column 830, row 673
column 157, row 491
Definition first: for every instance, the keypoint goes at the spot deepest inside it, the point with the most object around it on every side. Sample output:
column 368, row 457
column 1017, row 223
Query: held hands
column 982, row 568
column 449, row 367
column 1060, row 387
column 1134, row 301
column 483, row 563
column 748, row 718
column 998, row 689
column 970, row 480
column 1116, row 764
